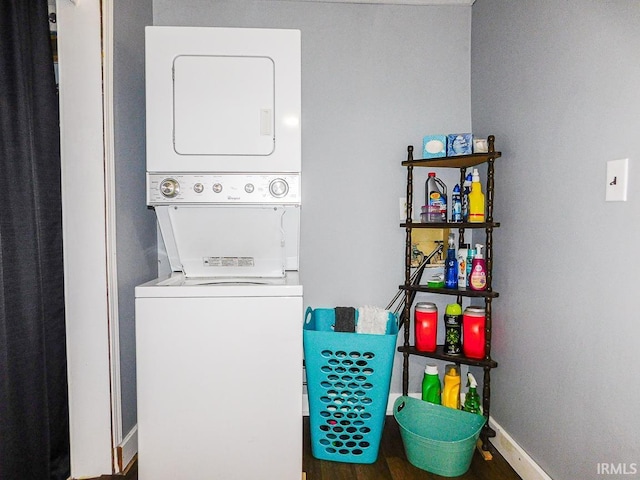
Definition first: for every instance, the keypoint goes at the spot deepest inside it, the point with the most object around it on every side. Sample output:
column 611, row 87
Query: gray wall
column 136, row 225
column 557, row 82
column 375, row 78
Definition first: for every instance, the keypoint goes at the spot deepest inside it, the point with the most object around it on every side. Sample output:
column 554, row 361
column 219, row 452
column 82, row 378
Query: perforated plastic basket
column 348, row 378
column 437, row 439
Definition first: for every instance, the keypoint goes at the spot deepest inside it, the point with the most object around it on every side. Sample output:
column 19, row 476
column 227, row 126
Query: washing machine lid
column 177, row 285
column 204, row 241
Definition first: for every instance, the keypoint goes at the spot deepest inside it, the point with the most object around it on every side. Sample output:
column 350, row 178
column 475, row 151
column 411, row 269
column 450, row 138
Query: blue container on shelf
column 348, row 380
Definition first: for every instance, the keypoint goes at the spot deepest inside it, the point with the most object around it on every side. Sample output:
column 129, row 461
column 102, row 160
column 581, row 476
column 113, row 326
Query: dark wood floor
column 392, row 464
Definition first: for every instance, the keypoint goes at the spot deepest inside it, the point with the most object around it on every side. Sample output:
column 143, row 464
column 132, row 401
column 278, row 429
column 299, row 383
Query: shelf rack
column 463, row 162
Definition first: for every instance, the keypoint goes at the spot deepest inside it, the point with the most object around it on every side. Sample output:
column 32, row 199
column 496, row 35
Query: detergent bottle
column 456, row 204
column 476, row 199
column 462, row 265
column 478, row 278
column 471, row 252
column 451, row 390
column 431, row 390
column 474, row 321
column 451, row 265
column 435, row 199
column 426, row 326
column 466, row 189
column 453, row 329
column 472, row 399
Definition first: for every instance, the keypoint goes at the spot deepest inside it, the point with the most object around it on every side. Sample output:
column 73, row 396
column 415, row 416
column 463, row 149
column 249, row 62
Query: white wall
column 557, row 82
column 375, row 78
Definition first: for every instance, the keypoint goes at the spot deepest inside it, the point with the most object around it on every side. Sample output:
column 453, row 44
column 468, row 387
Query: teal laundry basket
column 437, row 439
column 348, row 379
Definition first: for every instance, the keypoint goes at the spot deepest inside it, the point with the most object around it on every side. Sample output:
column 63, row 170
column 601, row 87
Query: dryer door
column 223, row 105
column 222, row 100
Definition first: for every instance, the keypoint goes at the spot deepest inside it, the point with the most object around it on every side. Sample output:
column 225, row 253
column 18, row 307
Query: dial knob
column 217, row 187
column 198, row 188
column 249, row 188
column 169, row 187
column 278, row 187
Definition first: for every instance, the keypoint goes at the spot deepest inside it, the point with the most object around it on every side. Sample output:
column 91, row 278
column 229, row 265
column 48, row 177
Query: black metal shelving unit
column 463, row 162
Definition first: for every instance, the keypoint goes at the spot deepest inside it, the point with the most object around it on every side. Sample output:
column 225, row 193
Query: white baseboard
column 513, row 453
column 127, row 450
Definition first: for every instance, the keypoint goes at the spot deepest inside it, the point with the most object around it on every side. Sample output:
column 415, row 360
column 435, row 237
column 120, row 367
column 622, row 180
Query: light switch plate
column 617, row 173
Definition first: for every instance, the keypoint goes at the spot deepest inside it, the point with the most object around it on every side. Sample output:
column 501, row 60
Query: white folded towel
column 372, row 320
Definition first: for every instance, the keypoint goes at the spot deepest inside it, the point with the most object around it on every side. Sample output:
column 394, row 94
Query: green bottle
column 472, row 399
column 431, row 388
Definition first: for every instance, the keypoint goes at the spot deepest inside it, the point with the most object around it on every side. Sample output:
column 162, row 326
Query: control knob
column 169, row 187
column 278, row 187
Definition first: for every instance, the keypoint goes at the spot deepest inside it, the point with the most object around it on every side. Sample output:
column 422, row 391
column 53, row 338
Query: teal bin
column 437, row 439
column 348, row 379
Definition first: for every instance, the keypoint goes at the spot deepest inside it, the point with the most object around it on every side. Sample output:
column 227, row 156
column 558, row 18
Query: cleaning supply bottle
column 462, row 265
column 431, row 390
column 453, row 329
column 426, row 326
column 471, row 252
column 478, row 278
column 476, row 199
column 474, row 321
column 456, row 205
column 451, row 389
column 435, row 199
column 451, row 265
column 472, row 399
column 466, row 189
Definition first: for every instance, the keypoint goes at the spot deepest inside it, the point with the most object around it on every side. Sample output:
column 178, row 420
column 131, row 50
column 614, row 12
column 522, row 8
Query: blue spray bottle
column 451, row 265
column 456, row 205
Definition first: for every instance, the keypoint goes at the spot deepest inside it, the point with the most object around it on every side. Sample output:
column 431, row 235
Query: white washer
column 219, row 387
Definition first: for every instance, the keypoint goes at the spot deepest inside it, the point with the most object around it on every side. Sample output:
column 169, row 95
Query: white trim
column 110, row 228
column 515, row 455
column 83, row 219
column 127, row 450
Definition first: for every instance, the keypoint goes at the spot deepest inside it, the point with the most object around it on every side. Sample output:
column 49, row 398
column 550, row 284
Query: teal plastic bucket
column 348, row 379
column 437, row 439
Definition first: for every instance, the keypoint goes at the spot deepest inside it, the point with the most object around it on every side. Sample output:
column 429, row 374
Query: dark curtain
column 34, row 425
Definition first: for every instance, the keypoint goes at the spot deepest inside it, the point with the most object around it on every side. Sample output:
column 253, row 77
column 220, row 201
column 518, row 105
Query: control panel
column 170, row 189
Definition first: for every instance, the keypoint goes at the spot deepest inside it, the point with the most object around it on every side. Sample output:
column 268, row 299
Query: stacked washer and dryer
column 219, row 340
